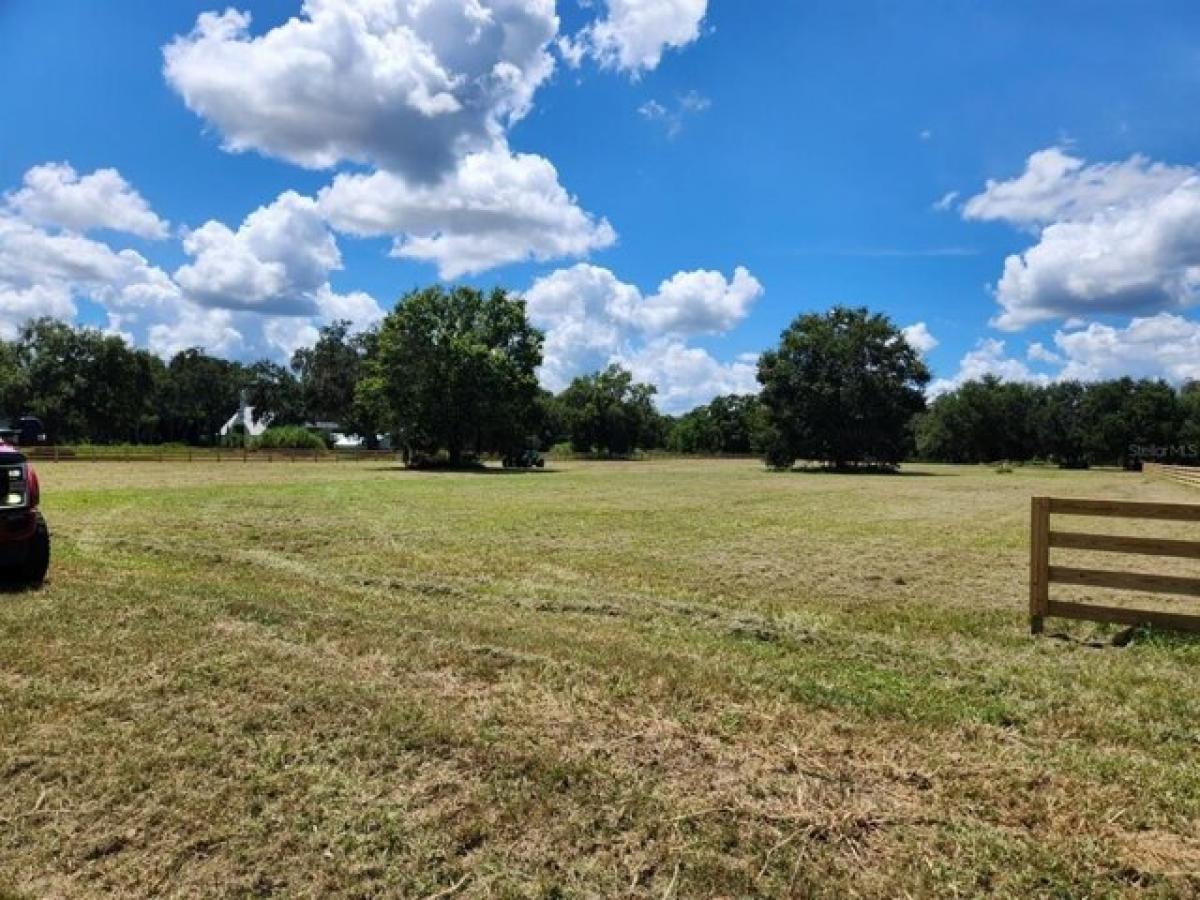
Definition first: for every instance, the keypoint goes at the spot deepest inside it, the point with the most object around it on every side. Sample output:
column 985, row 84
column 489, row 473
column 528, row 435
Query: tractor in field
column 523, row 459
column 24, row 535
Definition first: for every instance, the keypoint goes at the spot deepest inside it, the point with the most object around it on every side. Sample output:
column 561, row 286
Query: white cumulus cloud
column 632, row 35
column 43, row 273
column 423, row 93
column 189, row 325
column 1160, row 346
column 406, row 85
column 592, row 318
column 276, row 261
column 496, row 207
column 267, row 282
column 1056, row 186
column 259, row 290
column 587, row 313
column 1039, row 352
column 20, row 304
column 287, row 334
column 54, row 194
column 919, row 337
column 689, row 376
column 1112, row 238
column 47, row 263
column 988, row 357
column 699, row 302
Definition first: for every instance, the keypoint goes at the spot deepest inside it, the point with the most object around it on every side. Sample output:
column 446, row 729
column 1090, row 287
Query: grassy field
column 683, row 679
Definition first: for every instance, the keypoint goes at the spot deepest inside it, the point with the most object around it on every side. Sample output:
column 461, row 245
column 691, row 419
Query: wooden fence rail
column 1042, row 574
column 1185, row 474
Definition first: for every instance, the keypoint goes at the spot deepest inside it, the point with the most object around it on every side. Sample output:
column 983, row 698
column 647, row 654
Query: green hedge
column 288, row 437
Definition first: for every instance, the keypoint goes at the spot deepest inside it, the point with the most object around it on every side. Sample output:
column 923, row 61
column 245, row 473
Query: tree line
column 91, row 387
column 1116, row 422
column 450, row 375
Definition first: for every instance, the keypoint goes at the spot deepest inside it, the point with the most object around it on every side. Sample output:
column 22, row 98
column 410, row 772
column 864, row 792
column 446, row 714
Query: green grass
column 605, row 679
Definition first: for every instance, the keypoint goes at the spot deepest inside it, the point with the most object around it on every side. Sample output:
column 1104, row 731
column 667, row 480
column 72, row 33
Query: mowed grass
column 684, row 679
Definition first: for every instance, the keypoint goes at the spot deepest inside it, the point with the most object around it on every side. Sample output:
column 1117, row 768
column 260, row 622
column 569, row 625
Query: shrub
column 236, row 437
column 288, row 437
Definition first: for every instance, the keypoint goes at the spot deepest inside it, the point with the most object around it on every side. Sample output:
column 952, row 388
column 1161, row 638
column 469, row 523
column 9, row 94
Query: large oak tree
column 841, row 388
column 454, row 372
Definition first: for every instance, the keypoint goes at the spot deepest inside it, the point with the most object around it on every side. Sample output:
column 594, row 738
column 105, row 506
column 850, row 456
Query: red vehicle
column 24, row 535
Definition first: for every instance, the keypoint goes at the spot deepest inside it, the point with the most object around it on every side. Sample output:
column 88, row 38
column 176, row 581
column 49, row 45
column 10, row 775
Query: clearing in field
column 683, row 678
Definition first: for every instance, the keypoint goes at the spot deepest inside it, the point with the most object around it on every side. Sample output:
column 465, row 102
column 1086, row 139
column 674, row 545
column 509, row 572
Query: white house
column 245, row 417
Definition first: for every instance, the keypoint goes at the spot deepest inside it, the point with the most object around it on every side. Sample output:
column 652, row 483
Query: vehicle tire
column 32, row 572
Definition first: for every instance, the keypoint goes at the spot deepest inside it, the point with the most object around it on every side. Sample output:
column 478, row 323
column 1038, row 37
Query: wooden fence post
column 1039, row 563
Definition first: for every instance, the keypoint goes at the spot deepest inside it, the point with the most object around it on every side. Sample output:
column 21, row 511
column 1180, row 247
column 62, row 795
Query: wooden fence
column 199, row 454
column 1042, row 574
column 1186, row 474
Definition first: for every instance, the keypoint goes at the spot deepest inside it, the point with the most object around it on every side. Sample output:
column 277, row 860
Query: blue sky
column 669, row 181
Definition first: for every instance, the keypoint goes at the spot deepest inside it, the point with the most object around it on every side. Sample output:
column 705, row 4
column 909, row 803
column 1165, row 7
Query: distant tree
column 657, row 435
column 729, row 424
column 14, row 380
column 200, row 393
column 56, row 366
column 1156, row 417
column 1074, row 424
column 551, row 421
column 1189, row 431
column 83, row 384
column 127, row 409
column 455, row 371
column 1061, row 425
column 1125, row 415
column 365, row 417
column 740, row 420
column 694, row 432
column 841, row 388
column 329, row 372
column 608, row 413
column 274, row 393
column 981, row 421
